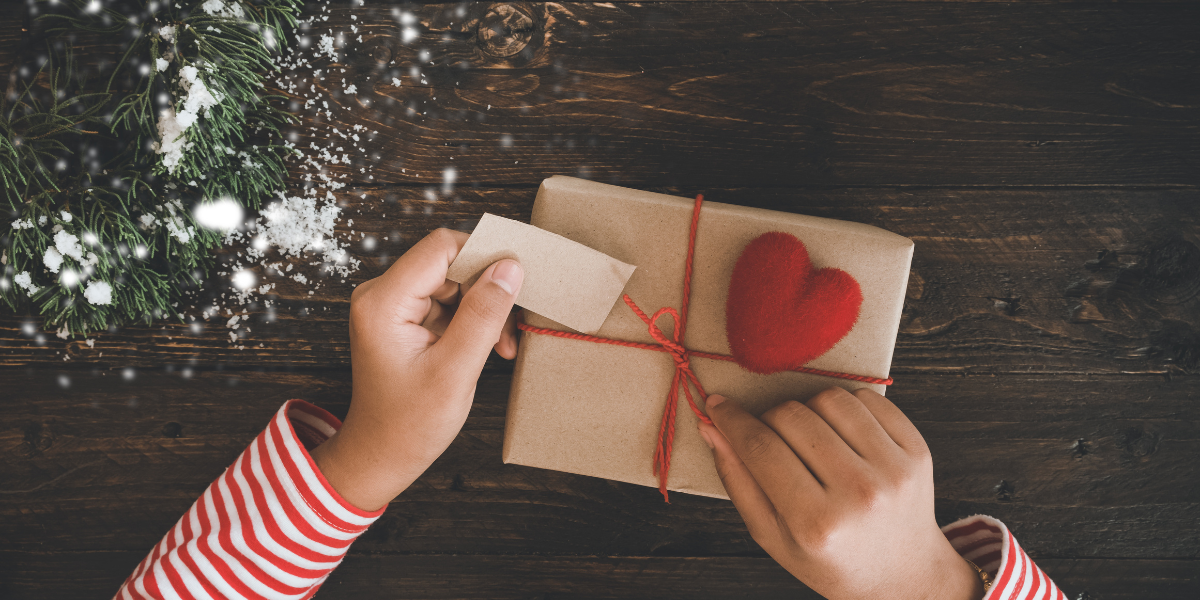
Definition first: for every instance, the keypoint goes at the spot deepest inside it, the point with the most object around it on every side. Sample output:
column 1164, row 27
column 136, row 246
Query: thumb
column 748, row 497
column 479, row 319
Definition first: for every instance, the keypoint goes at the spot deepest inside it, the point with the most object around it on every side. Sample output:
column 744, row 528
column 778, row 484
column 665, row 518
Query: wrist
column 933, row 571
column 961, row 580
column 349, row 471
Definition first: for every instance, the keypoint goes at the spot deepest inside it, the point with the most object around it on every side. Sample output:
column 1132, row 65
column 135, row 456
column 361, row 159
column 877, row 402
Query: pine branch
column 126, row 221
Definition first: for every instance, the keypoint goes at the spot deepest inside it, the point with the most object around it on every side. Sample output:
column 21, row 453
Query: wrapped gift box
column 595, row 409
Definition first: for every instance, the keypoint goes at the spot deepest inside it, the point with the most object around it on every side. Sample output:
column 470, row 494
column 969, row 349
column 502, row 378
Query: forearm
column 270, row 526
column 362, row 472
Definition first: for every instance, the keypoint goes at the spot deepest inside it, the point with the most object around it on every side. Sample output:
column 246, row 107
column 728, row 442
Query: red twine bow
column 685, row 378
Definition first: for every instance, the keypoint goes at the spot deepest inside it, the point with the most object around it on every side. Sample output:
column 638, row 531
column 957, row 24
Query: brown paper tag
column 565, row 281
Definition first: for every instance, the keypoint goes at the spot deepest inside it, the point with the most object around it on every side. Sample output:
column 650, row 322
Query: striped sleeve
column 988, row 543
column 270, row 526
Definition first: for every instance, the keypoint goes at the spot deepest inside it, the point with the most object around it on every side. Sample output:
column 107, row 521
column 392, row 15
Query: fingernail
column 508, row 275
column 714, row 400
column 704, row 434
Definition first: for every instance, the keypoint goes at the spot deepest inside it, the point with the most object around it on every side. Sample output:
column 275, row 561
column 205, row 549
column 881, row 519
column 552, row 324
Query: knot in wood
column 172, row 430
column 382, row 53
column 505, row 30
column 1170, row 270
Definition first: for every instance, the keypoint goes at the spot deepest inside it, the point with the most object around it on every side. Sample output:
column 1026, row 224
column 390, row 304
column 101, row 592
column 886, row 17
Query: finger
column 364, row 286
column 814, row 441
column 442, row 309
column 776, row 468
column 507, row 346
column 438, row 318
column 480, row 318
column 748, row 497
column 420, row 273
column 448, row 294
column 893, row 421
column 852, row 422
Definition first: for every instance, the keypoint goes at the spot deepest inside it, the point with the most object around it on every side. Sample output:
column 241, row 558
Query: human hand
column 417, row 346
column 839, row 490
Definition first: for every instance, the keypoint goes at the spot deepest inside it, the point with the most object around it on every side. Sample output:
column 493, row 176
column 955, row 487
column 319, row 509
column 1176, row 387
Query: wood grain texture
column 778, row 94
column 467, row 577
column 1042, row 157
column 1003, row 281
column 1065, row 460
column 767, row 94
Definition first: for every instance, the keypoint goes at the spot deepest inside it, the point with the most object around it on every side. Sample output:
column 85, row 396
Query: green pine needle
column 234, row 152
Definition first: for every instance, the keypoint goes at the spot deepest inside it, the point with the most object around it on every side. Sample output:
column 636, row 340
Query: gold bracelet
column 987, row 581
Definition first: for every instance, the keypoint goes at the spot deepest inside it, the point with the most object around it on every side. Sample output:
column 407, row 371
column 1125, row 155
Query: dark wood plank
column 778, row 94
column 1042, row 158
column 442, row 577
column 639, row 577
column 1065, row 460
column 783, row 94
column 1051, row 281
column 13, row 25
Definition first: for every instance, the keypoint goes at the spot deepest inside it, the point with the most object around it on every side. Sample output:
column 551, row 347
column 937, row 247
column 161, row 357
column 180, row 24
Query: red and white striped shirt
column 989, row 544
column 272, row 527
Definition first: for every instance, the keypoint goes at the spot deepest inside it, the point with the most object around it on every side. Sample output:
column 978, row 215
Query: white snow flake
column 25, row 281
column 98, row 293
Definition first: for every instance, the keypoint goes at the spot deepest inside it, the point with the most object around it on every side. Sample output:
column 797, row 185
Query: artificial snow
column 244, row 279
column 25, row 281
column 98, row 293
column 220, row 9
column 69, row 278
column 300, row 224
column 172, row 125
column 181, row 232
column 173, row 143
column 223, row 214
column 325, row 46
column 294, row 225
column 68, row 245
column 52, row 259
column 199, row 99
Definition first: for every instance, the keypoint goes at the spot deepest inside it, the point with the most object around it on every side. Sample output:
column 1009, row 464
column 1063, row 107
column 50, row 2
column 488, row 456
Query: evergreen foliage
column 93, row 202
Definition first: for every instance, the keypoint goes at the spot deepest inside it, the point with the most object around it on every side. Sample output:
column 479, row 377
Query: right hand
column 418, row 343
column 839, row 490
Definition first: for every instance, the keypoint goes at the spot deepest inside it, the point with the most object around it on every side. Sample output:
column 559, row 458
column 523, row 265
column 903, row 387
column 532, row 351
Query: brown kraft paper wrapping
column 595, row 409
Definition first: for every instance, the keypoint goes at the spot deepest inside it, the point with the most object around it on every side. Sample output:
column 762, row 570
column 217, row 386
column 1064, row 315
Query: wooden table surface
column 1045, row 158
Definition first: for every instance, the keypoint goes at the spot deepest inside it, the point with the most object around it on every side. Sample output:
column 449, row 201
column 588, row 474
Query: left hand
column 418, row 343
column 839, row 490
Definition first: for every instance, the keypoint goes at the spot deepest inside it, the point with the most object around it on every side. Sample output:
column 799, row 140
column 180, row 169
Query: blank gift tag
column 564, row 281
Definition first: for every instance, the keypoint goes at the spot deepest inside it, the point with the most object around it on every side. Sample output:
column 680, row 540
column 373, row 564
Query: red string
column 684, row 377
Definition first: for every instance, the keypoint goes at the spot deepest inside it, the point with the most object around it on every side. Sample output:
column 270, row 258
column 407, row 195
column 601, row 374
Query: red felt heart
column 781, row 312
